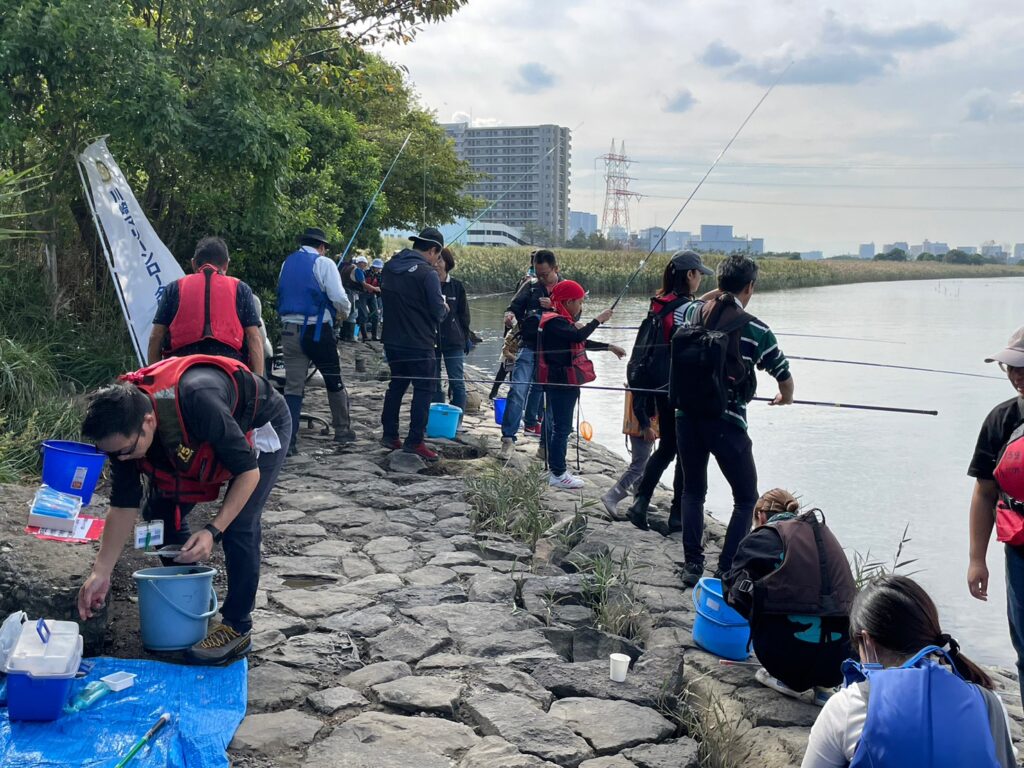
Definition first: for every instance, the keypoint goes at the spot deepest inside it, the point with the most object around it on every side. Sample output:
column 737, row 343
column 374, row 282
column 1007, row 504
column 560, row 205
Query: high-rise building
column 719, row 237
column 526, row 167
column 866, row 251
column 580, row 221
column 1018, row 251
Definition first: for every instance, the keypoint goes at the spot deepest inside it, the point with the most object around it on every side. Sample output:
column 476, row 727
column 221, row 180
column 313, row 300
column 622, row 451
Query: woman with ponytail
column 914, row 699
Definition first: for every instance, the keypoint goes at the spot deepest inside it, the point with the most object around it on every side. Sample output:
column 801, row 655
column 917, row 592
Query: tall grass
column 508, row 500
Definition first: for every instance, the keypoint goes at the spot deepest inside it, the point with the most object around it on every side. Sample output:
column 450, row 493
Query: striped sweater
column 759, row 348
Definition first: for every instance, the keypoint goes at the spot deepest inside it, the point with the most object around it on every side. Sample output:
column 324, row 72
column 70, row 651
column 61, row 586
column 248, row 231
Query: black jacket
column 525, row 305
column 413, row 305
column 455, row 325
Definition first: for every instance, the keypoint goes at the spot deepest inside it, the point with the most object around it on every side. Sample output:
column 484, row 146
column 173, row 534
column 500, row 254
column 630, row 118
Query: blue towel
column 206, row 704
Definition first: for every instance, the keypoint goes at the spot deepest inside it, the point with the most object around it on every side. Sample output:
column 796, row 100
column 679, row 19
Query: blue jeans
column 697, row 441
column 558, row 413
column 1015, row 605
column 522, row 393
column 454, row 363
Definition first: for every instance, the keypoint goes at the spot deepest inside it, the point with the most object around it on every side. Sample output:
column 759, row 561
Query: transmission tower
column 616, row 193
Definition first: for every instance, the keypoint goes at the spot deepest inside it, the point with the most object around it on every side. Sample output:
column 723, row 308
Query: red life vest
column 183, row 469
column 1009, row 476
column 207, row 310
column 579, row 372
column 658, row 303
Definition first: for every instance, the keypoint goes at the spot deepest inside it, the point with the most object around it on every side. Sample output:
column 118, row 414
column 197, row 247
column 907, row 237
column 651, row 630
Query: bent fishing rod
column 700, row 183
column 373, row 199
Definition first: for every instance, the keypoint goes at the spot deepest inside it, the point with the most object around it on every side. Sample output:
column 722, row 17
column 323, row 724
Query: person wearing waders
column 713, row 379
column 189, row 425
column 413, row 310
column 208, row 313
column 680, row 282
column 913, row 700
column 998, row 500
column 310, row 301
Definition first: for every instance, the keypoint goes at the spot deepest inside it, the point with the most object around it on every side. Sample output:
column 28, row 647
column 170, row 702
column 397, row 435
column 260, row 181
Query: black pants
column 663, row 455
column 242, row 538
column 408, row 366
column 698, row 440
column 803, row 651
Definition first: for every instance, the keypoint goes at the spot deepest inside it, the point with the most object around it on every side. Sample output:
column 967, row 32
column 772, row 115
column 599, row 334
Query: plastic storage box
column 53, row 509
column 41, row 668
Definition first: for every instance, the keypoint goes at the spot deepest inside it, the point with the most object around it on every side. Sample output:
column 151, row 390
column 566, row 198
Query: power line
column 848, row 166
column 916, row 187
column 880, row 206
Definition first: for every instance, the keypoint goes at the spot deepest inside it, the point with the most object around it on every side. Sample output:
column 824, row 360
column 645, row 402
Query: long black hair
column 674, row 281
column 901, row 618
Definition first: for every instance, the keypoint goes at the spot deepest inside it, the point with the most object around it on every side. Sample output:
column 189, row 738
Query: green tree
column 895, row 254
column 579, row 240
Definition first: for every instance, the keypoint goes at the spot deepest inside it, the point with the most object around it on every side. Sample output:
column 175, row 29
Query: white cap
column 1013, row 355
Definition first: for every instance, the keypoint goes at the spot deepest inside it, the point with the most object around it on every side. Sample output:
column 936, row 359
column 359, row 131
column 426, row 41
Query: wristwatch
column 216, row 532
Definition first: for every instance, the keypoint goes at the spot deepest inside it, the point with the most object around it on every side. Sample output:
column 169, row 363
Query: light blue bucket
column 71, row 467
column 718, row 628
column 443, row 420
column 175, row 605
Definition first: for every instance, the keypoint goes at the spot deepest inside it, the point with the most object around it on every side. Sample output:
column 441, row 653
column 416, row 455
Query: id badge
column 149, row 534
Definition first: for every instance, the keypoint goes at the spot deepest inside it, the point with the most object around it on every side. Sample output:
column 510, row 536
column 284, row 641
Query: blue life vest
column 922, row 715
column 299, row 293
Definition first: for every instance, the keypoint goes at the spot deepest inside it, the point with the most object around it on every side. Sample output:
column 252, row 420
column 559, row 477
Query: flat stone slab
column 614, row 761
column 611, row 726
column 273, row 686
column 319, row 601
column 407, row 643
column 645, row 686
column 314, row 501
column 368, row 622
column 276, row 732
column 495, row 752
column 342, row 752
column 526, row 726
column 589, row 644
column 678, row 753
column 422, row 734
column 332, row 700
column 472, row 621
column 373, row 674
column 491, row 588
column 321, row 651
column 431, row 576
column 507, row 680
column 372, row 586
column 420, row 694
column 386, row 545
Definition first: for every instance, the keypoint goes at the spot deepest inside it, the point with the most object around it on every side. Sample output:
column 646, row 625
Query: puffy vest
column 348, row 272
column 207, row 310
column 1009, row 476
column 581, row 369
column 183, row 469
column 299, row 293
column 922, row 715
column 814, row 578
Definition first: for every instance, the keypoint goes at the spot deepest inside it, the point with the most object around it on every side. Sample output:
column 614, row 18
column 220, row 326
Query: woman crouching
column 562, row 368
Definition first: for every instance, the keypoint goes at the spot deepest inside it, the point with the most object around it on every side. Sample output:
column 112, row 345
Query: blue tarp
column 206, row 704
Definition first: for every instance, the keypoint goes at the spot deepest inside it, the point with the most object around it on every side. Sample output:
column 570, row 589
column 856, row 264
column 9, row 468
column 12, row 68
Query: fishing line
column 700, row 183
column 897, row 367
column 374, row 199
column 777, row 333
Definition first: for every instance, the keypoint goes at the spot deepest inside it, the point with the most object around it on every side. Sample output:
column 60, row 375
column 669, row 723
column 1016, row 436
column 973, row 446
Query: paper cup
column 619, row 666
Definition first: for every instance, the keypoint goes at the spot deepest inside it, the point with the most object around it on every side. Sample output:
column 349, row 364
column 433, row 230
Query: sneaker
column 808, row 697
column 394, row 443
column 533, row 431
column 423, row 452
column 508, row 447
column 222, row 644
column 344, row 436
column 565, row 481
column 692, row 573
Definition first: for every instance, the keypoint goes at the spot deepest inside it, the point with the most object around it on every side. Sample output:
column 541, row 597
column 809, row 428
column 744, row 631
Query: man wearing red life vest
column 208, row 313
column 998, row 500
column 187, row 424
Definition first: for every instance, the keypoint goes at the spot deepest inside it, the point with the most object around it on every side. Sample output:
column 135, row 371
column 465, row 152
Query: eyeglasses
column 1010, row 368
column 126, row 451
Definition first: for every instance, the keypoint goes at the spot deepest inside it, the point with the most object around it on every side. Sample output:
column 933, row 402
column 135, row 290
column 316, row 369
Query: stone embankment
column 391, row 633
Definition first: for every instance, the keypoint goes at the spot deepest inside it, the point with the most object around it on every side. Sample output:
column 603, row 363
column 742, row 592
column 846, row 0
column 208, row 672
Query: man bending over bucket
column 187, row 423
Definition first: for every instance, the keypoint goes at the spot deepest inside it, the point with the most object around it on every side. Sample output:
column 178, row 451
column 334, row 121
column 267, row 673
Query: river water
column 872, row 473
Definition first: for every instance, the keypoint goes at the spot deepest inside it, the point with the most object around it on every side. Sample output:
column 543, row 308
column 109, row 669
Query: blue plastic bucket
column 71, row 467
column 443, row 420
column 175, row 605
column 499, row 410
column 718, row 629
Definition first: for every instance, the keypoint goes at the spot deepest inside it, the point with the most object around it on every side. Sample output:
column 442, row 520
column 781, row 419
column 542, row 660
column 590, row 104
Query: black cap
column 428, row 237
column 312, row 233
column 684, row 261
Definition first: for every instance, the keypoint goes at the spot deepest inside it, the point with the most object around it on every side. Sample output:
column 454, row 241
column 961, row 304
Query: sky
column 895, row 121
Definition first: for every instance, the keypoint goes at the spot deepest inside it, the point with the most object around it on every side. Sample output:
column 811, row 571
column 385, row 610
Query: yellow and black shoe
column 221, row 645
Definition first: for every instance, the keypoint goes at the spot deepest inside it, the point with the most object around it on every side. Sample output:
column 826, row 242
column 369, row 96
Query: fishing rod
column 885, row 408
column 777, row 333
column 897, row 367
column 373, row 199
column 700, row 183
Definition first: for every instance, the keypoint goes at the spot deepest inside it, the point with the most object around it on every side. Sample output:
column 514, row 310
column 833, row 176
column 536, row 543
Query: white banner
column 139, row 262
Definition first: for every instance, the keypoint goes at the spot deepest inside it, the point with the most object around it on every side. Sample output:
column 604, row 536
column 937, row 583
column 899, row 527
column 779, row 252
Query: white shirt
column 329, row 280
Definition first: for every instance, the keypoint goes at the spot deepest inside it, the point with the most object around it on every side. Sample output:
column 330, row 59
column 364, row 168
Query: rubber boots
column 340, row 419
column 611, row 499
column 638, row 512
column 295, row 409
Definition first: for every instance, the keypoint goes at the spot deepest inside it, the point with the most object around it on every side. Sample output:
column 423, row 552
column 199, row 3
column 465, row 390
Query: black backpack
column 649, row 362
column 707, row 367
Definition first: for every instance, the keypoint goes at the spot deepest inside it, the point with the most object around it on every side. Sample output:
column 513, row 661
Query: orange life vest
column 207, row 310
column 183, row 469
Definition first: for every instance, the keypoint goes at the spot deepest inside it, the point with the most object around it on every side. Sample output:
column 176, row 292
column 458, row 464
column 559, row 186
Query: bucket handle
column 182, row 611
